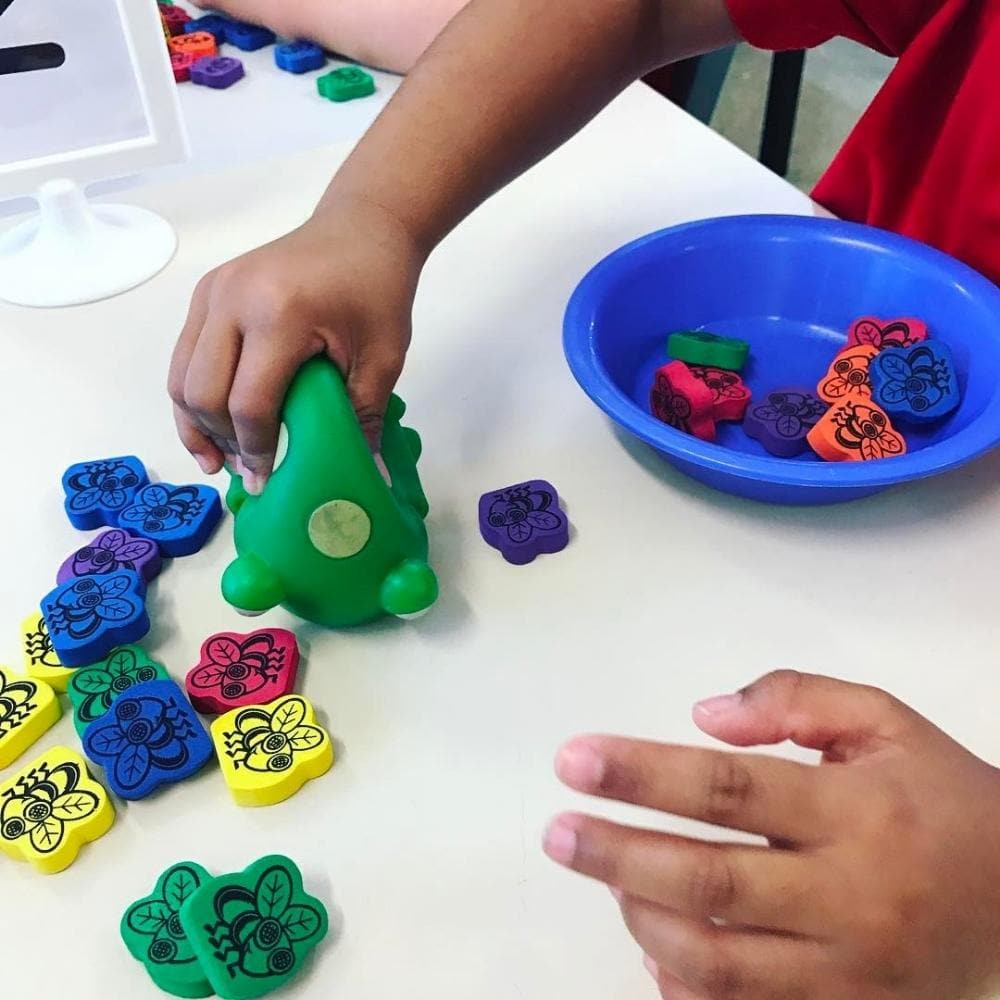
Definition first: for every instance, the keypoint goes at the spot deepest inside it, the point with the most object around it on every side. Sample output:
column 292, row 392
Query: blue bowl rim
column 980, row 436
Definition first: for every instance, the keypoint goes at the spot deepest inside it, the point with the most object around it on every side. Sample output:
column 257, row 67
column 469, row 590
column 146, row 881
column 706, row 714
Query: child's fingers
column 206, row 453
column 739, row 883
column 715, row 962
column 670, row 987
column 190, row 332
column 370, row 382
column 263, row 374
column 776, row 798
column 209, row 379
column 843, row 720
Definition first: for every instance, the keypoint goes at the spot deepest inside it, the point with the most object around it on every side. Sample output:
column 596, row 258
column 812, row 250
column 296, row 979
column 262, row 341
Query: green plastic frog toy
column 329, row 538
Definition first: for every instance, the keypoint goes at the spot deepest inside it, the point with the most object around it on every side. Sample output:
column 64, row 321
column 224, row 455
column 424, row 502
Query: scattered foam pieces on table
column 783, row 420
column 175, row 18
column 180, row 64
column 152, row 931
column 879, row 333
column 345, row 84
column 299, row 57
column 683, row 401
column 253, row 930
column 730, row 396
column 88, row 617
column 197, row 44
column 180, row 519
column 41, row 661
column 50, row 809
column 237, row 671
column 217, row 72
column 93, row 690
column 96, row 492
column 248, row 37
column 268, row 752
column 150, row 737
column 848, row 375
column 110, row 552
column 916, row 384
column 698, row 347
column 214, row 24
column 524, row 521
column 855, row 431
column 28, row 709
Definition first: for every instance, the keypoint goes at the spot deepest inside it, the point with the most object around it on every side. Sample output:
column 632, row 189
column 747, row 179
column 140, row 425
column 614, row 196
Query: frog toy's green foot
column 409, row 590
column 251, row 586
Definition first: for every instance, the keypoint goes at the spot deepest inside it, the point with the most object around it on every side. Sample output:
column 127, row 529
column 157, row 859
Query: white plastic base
column 74, row 252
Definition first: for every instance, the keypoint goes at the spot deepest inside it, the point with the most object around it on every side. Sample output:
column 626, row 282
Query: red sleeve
column 885, row 25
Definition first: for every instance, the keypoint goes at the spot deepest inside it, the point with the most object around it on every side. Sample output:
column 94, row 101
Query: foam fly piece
column 253, row 930
column 40, row 660
column 217, row 72
column 880, row 334
column 150, row 737
column 180, row 64
column 848, row 376
column 152, row 931
column 524, row 521
column 111, row 552
column 267, row 753
column 176, row 18
column 236, row 670
column 93, row 690
column 782, row 422
column 248, row 37
column 28, row 709
column 345, row 84
column 683, row 401
column 50, row 809
column 197, row 44
column 214, row 24
column 88, row 617
column 730, row 396
column 917, row 385
column 96, row 492
column 299, row 57
column 856, row 431
column 180, row 519
column 698, row 347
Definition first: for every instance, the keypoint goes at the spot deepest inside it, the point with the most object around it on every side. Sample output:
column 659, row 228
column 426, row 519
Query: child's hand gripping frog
column 329, row 538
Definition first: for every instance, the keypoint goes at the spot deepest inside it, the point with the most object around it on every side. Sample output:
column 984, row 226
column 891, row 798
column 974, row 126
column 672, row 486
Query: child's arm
column 505, row 83
column 391, row 34
column 882, row 878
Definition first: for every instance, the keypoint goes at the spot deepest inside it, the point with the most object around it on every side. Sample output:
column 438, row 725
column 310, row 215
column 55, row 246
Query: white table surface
column 424, row 839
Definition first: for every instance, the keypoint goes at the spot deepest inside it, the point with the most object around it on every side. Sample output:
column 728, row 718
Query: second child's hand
column 882, row 878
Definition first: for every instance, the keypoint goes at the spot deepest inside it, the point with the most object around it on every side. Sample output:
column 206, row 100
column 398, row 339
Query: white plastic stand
column 74, row 252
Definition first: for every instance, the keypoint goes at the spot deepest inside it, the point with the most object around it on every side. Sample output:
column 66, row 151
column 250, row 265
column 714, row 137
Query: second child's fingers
column 844, row 720
column 776, row 798
column 739, row 883
column 715, row 962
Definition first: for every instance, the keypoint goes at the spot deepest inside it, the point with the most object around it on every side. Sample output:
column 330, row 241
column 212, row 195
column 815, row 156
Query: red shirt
column 925, row 158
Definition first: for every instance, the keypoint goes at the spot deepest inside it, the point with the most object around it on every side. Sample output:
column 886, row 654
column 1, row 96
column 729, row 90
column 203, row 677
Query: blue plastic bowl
column 791, row 286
